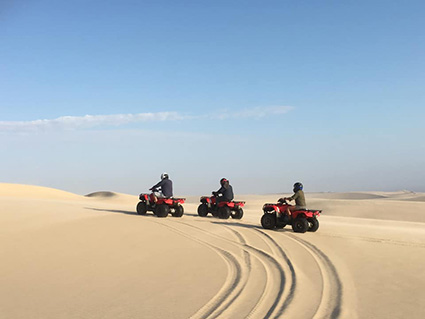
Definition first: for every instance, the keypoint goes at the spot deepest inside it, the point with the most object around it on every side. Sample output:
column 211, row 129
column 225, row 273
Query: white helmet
column 164, row 175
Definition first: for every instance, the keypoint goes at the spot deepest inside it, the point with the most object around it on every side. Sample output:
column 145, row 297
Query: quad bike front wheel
column 203, row 210
column 224, row 212
column 141, row 208
column 268, row 221
column 178, row 211
column 300, row 225
column 313, row 224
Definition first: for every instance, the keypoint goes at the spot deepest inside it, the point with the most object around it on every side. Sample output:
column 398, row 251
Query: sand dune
column 401, row 195
column 67, row 256
column 31, row 191
column 351, row 196
column 418, row 198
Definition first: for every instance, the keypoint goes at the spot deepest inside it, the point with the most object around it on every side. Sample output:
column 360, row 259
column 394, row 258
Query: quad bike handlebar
column 283, row 201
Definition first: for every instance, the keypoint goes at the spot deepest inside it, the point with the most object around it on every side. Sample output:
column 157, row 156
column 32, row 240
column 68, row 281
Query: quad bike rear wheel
column 162, row 210
column 238, row 213
column 178, row 211
column 224, row 212
column 203, row 210
column 313, row 224
column 300, row 225
column 141, row 208
column 268, row 221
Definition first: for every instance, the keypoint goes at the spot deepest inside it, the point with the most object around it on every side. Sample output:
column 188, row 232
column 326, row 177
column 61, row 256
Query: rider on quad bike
column 161, row 201
column 282, row 213
column 221, row 204
column 225, row 193
column 298, row 197
column 163, row 189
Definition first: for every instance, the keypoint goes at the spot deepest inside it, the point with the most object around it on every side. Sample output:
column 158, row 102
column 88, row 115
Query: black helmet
column 298, row 186
column 164, row 175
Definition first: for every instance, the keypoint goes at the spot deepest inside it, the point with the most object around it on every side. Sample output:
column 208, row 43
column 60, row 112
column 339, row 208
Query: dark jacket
column 226, row 194
column 166, row 187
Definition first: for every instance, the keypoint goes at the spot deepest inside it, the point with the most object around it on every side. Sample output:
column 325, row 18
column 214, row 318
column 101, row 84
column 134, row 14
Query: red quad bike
column 162, row 207
column 302, row 220
column 222, row 210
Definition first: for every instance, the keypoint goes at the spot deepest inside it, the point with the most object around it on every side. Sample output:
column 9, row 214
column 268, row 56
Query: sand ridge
column 32, row 191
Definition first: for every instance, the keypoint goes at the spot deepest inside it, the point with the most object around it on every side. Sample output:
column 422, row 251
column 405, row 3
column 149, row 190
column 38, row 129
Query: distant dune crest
column 349, row 195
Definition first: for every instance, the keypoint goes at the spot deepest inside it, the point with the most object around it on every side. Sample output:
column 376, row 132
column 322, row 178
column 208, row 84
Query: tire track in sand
column 278, row 291
column 241, row 239
column 224, row 298
column 289, row 294
column 331, row 298
column 332, row 290
column 233, row 285
column 266, row 293
column 286, row 293
column 272, row 300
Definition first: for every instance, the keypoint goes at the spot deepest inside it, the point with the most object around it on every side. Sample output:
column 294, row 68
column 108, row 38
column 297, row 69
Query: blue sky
column 106, row 95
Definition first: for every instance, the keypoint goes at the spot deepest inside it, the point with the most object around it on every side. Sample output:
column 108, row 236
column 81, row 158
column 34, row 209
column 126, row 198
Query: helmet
column 223, row 181
column 298, row 186
column 164, row 175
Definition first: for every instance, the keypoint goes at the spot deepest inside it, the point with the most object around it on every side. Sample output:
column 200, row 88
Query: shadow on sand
column 213, row 220
column 127, row 212
column 249, row 226
column 191, row 214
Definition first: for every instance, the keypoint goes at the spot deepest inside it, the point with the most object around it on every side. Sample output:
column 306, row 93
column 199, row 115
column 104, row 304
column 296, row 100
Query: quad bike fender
column 228, row 204
column 298, row 214
column 206, row 200
column 239, row 203
column 232, row 204
column 271, row 208
column 144, row 197
column 171, row 201
column 307, row 213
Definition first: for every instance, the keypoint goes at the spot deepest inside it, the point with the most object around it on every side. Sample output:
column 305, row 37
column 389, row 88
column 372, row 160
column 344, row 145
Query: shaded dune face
column 416, row 199
column 102, row 194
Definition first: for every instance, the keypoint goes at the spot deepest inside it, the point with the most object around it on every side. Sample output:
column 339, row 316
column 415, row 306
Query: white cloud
column 90, row 121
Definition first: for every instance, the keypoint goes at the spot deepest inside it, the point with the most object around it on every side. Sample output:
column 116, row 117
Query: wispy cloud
column 90, row 121
column 254, row 112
